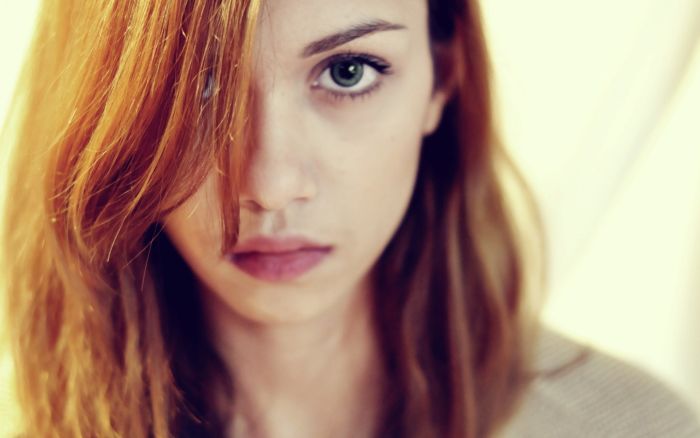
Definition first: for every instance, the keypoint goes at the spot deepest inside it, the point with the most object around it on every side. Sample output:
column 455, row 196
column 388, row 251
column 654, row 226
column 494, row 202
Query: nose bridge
column 277, row 168
column 273, row 122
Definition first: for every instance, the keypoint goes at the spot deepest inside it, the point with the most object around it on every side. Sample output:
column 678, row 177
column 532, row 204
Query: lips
column 278, row 259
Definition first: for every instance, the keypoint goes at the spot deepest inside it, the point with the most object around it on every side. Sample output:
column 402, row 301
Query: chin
column 273, row 305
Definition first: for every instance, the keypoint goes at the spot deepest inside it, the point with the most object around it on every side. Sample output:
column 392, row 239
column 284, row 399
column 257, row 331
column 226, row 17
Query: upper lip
column 277, row 244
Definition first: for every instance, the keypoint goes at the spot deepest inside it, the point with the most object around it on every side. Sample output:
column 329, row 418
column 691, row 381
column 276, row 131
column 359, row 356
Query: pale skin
column 339, row 170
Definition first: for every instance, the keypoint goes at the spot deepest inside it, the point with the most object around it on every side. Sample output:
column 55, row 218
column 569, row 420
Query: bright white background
column 599, row 102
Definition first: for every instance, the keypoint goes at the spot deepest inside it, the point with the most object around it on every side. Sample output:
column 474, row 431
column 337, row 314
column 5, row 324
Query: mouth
column 278, row 259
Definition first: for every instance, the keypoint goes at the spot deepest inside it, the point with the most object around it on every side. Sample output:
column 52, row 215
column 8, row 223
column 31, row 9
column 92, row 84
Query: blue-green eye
column 351, row 74
column 347, row 73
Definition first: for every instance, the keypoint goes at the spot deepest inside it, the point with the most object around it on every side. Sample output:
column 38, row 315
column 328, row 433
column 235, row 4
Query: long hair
column 456, row 324
column 110, row 133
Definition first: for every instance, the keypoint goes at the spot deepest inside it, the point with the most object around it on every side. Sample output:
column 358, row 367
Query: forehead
column 288, row 25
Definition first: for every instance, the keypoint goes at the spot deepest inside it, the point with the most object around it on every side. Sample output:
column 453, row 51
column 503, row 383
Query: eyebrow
column 338, row 39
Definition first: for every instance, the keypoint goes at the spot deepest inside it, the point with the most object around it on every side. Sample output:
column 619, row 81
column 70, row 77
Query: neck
column 320, row 377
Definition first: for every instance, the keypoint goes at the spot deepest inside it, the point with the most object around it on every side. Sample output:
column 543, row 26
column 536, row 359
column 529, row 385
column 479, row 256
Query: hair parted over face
column 154, row 140
column 332, row 161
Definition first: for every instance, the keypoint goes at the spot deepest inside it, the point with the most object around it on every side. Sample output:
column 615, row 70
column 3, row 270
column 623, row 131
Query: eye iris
column 347, row 73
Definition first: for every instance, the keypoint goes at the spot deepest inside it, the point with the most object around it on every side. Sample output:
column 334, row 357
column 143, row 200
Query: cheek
column 378, row 140
column 372, row 167
column 383, row 163
column 377, row 192
column 193, row 227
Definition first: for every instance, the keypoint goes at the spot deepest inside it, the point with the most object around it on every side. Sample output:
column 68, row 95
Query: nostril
column 249, row 205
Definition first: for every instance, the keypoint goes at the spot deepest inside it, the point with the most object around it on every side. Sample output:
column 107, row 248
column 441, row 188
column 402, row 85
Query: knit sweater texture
column 579, row 392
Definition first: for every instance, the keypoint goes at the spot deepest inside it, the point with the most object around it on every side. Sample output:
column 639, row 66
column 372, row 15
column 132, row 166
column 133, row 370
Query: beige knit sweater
column 578, row 393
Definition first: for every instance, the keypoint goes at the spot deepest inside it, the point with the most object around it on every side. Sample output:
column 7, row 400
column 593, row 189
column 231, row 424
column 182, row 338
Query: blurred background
column 599, row 102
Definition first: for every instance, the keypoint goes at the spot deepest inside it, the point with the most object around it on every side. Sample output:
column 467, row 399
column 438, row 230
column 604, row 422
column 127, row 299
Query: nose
column 278, row 170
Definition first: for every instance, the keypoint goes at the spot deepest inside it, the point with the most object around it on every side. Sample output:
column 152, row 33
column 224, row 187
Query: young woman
column 276, row 219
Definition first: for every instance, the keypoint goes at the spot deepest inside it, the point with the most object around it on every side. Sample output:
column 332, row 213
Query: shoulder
column 579, row 392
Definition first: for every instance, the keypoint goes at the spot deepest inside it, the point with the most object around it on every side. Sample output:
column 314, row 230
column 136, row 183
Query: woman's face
column 345, row 96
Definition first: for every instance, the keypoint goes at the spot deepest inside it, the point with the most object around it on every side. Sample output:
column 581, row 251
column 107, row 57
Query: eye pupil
column 347, row 73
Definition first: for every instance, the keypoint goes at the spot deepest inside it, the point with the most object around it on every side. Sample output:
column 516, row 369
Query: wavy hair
column 110, row 134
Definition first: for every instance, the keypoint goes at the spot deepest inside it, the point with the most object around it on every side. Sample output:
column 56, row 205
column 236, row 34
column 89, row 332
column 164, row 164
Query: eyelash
column 381, row 66
column 378, row 64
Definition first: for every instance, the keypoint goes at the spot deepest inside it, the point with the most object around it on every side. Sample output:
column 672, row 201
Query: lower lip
column 281, row 266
